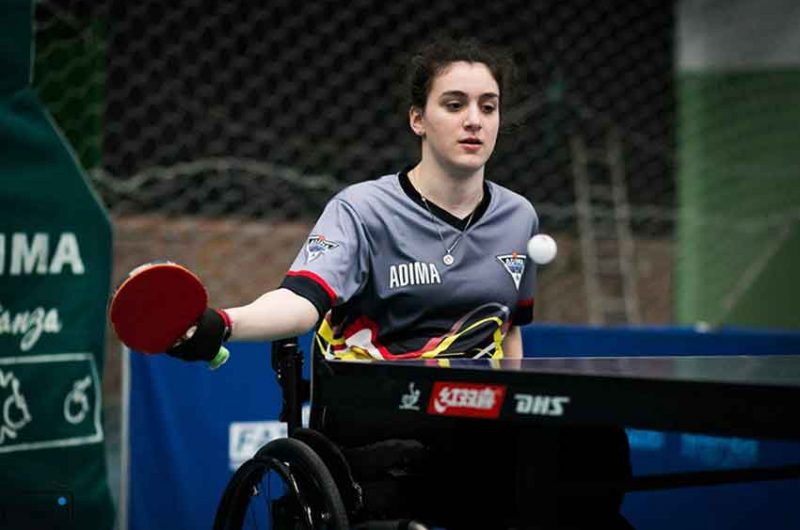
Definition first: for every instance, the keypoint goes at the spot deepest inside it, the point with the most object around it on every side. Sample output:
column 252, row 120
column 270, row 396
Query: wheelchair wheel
column 336, row 463
column 285, row 486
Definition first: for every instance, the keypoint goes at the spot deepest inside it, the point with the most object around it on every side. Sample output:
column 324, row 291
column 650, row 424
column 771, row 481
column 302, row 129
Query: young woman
column 430, row 262
column 426, row 262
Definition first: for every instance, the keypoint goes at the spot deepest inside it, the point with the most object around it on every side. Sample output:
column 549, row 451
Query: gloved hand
column 205, row 341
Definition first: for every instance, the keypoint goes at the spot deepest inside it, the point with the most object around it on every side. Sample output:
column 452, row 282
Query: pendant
column 448, row 259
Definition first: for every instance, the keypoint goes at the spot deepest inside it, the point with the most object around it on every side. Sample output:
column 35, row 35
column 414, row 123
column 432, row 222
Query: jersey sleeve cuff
column 523, row 313
column 312, row 290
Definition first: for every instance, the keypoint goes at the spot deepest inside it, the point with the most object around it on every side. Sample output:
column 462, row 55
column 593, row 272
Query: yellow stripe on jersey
column 446, row 343
column 326, row 341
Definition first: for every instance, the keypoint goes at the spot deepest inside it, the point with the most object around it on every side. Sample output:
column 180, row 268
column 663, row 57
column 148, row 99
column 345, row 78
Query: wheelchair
column 444, row 472
column 304, row 481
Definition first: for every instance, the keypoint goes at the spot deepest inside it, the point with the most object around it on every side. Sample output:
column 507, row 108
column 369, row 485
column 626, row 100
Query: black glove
column 212, row 329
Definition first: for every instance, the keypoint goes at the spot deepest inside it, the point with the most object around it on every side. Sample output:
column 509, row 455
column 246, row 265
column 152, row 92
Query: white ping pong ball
column 542, row 249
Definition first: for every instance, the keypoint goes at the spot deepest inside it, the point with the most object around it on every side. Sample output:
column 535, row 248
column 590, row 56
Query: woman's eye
column 453, row 105
column 488, row 109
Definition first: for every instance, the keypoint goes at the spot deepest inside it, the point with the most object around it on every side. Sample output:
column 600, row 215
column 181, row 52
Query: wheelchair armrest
column 287, row 362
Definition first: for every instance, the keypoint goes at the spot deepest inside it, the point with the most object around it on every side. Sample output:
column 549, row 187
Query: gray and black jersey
column 374, row 266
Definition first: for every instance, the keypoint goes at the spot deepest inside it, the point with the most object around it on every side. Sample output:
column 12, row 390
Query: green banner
column 738, row 93
column 739, row 231
column 55, row 270
column 74, row 394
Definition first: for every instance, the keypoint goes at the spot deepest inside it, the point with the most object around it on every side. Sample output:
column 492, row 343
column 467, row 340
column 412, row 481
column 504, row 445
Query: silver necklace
column 448, row 258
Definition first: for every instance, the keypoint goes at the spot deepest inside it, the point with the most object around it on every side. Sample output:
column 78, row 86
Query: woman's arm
column 512, row 343
column 274, row 315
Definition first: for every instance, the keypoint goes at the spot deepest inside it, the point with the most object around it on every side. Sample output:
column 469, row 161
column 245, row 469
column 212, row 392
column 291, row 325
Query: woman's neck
column 459, row 195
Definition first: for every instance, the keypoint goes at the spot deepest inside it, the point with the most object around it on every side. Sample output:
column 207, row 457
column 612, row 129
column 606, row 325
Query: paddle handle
column 220, row 358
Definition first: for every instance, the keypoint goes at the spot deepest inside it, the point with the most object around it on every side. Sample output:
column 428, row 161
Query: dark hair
column 437, row 55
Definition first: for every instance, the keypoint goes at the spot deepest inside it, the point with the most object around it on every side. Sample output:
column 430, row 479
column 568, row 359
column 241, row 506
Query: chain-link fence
column 207, row 106
column 216, row 131
column 206, row 127
column 210, row 119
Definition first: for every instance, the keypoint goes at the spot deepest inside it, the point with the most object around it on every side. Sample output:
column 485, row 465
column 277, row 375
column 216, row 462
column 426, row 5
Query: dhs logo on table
column 466, row 399
column 541, row 405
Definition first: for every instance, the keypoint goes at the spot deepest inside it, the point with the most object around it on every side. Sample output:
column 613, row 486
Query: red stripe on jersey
column 364, row 322
column 318, row 280
column 522, row 304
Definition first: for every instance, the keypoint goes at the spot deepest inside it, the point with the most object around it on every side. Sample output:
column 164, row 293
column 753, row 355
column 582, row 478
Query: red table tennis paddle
column 156, row 305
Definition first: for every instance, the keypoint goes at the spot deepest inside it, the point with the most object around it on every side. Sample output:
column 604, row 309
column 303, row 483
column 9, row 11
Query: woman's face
column 461, row 118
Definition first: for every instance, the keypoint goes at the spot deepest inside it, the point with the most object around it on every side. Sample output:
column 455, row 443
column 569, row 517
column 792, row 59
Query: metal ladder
column 604, row 223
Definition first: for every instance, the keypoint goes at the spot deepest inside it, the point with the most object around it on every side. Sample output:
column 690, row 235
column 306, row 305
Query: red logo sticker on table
column 474, row 400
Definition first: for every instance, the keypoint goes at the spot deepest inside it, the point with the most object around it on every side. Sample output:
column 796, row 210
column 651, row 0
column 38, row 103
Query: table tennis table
column 746, row 396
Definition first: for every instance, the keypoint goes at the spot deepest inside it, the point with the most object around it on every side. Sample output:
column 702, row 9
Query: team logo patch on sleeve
column 515, row 265
column 317, row 246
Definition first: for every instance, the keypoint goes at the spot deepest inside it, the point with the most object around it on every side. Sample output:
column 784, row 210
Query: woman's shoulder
column 507, row 198
column 368, row 193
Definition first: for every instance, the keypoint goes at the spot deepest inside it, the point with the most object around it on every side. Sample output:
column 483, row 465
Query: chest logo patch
column 317, row 246
column 515, row 265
